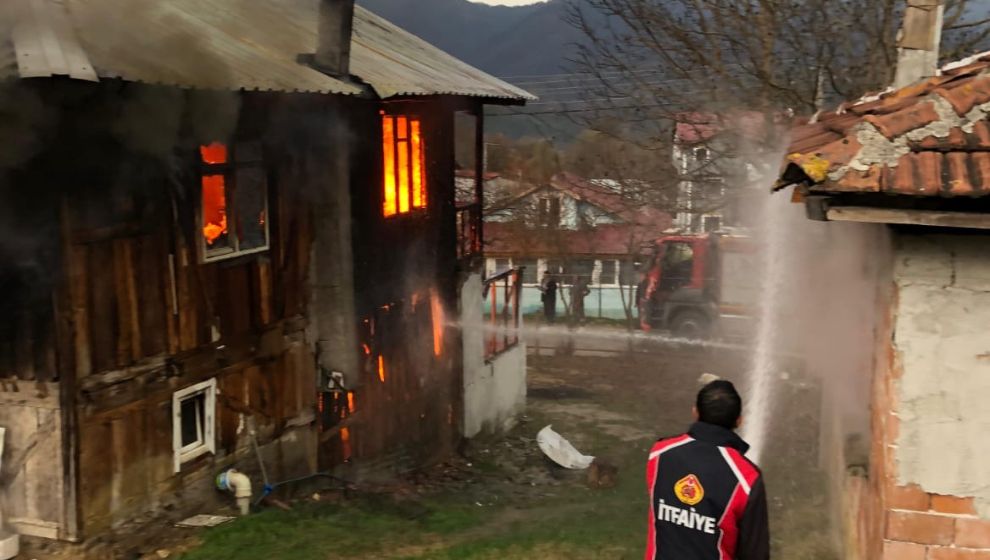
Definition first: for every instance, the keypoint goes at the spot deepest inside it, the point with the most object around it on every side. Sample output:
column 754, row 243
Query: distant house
column 573, row 227
column 230, row 238
column 715, row 157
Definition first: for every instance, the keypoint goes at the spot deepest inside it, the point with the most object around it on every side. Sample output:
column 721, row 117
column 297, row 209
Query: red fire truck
column 700, row 286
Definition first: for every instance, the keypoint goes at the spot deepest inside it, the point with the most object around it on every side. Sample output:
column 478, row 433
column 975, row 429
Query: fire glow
column 403, row 164
column 436, row 310
column 214, row 195
column 381, row 368
column 345, row 441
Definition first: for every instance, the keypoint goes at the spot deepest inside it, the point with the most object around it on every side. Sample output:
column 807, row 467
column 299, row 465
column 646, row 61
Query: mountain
column 501, row 40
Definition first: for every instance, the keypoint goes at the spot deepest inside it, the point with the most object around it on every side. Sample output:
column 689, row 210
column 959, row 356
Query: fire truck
column 700, row 286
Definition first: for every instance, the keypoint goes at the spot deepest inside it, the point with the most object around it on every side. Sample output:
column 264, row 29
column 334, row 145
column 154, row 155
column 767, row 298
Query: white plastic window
column 193, row 422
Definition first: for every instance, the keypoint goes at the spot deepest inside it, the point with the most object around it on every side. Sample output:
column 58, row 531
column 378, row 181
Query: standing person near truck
column 707, row 500
column 548, row 289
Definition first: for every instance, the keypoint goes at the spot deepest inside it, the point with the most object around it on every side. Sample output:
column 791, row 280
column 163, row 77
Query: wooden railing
column 502, row 292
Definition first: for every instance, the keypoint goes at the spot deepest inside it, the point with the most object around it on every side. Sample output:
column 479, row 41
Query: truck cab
column 698, row 286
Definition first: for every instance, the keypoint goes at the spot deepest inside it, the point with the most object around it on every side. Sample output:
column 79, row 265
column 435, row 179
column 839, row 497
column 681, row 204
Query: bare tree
column 647, row 65
column 662, row 57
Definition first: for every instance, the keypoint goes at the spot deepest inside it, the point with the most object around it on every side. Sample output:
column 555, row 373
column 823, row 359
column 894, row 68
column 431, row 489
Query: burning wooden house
column 229, row 227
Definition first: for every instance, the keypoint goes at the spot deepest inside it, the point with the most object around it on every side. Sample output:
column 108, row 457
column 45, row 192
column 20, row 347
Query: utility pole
column 918, row 41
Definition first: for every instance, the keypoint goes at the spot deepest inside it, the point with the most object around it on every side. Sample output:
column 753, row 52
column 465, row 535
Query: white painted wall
column 494, row 391
column 942, row 338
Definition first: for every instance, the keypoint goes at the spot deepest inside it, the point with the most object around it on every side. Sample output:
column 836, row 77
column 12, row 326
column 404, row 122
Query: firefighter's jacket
column 708, row 500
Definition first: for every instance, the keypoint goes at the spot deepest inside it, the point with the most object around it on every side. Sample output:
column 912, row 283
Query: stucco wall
column 494, row 391
column 943, row 348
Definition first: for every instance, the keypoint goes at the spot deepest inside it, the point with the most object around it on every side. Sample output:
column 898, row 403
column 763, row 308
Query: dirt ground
column 502, row 499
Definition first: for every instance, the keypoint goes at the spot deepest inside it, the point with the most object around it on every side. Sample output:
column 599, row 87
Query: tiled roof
column 931, row 138
column 608, row 200
column 612, row 239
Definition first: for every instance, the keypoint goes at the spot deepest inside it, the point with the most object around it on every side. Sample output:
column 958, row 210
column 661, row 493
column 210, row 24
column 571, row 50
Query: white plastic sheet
column 560, row 451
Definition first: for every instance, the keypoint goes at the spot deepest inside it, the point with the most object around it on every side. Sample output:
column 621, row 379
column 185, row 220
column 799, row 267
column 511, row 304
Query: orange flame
column 367, row 349
column 403, row 164
column 418, row 180
column 402, row 124
column 436, row 310
column 388, row 167
column 345, row 440
column 214, row 208
column 350, row 402
column 214, row 153
column 381, row 368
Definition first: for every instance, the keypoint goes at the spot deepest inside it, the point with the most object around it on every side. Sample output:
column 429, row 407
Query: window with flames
column 404, row 165
column 233, row 201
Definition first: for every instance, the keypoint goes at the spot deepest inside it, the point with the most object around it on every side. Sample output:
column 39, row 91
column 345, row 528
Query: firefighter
column 707, row 499
column 548, row 289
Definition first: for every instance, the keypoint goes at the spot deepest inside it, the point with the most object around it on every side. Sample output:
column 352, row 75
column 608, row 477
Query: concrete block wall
column 930, row 473
column 495, row 389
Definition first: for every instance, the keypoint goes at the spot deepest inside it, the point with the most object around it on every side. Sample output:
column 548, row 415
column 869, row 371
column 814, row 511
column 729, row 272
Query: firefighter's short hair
column 719, row 403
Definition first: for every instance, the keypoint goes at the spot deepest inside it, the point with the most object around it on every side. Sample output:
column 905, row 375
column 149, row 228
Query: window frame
column 410, row 116
column 229, row 172
column 616, row 265
column 207, row 443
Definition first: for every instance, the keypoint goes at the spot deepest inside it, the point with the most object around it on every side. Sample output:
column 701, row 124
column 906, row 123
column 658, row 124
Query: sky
column 509, row 2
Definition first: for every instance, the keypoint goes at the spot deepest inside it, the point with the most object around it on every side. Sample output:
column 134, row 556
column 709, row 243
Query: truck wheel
column 690, row 324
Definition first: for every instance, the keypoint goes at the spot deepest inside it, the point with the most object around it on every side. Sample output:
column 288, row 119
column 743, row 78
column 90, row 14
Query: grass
column 316, row 531
column 555, row 518
column 567, row 521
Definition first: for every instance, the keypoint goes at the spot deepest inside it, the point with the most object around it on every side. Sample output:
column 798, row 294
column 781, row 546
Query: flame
column 436, row 310
column 350, row 402
column 418, row 180
column 319, row 403
column 381, row 368
column 345, row 441
column 214, row 208
column 367, row 349
column 388, row 168
column 213, row 153
column 403, row 164
column 402, row 123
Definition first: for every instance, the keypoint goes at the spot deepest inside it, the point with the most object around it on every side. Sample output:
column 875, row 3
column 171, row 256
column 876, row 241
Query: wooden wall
column 134, row 316
column 149, row 318
column 410, row 418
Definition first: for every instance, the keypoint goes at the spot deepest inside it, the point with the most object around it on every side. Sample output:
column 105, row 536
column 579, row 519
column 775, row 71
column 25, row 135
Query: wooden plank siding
column 152, row 319
column 131, row 315
column 411, row 418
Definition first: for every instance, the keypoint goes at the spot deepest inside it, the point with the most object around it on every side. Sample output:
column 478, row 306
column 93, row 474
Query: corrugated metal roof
column 228, row 44
column 396, row 62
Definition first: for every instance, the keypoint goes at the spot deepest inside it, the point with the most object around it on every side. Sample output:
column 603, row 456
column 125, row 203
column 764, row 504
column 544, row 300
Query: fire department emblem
column 689, row 490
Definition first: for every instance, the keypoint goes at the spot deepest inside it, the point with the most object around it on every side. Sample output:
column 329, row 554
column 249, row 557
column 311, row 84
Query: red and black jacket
column 707, row 500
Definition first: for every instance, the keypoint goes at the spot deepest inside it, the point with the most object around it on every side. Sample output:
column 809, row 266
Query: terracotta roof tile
column 955, row 140
column 967, row 96
column 959, row 183
column 955, row 163
column 871, row 180
column 980, row 138
column 979, row 169
column 894, row 124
